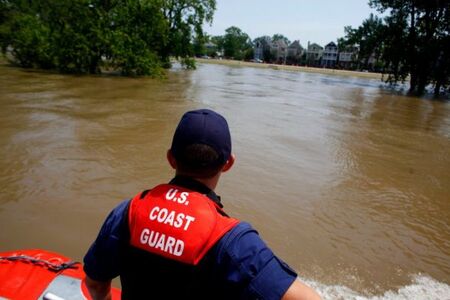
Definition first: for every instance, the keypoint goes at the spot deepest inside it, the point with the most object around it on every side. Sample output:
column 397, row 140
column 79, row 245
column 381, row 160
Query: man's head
column 201, row 144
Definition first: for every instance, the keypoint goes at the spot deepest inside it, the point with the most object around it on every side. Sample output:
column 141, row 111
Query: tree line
column 134, row 37
column 411, row 42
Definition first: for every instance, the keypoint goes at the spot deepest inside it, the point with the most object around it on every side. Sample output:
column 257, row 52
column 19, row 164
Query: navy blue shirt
column 240, row 252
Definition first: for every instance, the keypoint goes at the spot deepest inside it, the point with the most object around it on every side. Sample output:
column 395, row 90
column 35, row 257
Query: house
column 261, row 46
column 279, row 51
column 348, row 57
column 372, row 63
column 294, row 52
column 210, row 46
column 212, row 50
column 314, row 54
column 330, row 55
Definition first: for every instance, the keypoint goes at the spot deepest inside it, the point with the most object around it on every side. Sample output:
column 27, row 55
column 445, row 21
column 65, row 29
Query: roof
column 295, row 44
column 279, row 43
column 266, row 41
column 314, row 45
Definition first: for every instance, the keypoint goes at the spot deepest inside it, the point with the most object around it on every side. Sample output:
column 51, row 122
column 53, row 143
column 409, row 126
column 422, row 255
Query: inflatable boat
column 43, row 275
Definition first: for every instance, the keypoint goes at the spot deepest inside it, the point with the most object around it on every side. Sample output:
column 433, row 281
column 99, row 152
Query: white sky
column 318, row 21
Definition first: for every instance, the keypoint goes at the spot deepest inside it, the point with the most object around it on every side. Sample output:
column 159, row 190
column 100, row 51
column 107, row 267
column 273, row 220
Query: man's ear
column 229, row 163
column 171, row 159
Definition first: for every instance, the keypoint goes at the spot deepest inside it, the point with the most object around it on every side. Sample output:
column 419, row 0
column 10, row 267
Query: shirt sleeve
column 248, row 262
column 101, row 262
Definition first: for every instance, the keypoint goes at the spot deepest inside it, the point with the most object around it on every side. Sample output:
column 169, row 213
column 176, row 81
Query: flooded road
column 347, row 182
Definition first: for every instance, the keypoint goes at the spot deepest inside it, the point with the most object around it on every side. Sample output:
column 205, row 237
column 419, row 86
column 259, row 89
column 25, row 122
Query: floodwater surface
column 346, row 181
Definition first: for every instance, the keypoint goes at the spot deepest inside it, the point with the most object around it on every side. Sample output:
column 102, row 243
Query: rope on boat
column 57, row 267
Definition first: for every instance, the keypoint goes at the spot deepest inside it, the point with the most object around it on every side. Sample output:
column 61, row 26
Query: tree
column 218, row 40
column 199, row 45
column 341, row 45
column 235, row 43
column 278, row 36
column 249, row 53
column 368, row 37
column 417, row 42
column 135, row 37
column 185, row 18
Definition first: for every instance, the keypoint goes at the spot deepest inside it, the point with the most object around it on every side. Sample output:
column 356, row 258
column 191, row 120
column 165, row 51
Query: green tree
column 185, row 19
column 249, row 53
column 417, row 42
column 368, row 37
column 199, row 45
column 341, row 45
column 235, row 43
column 77, row 34
column 218, row 41
column 278, row 36
column 138, row 34
column 135, row 37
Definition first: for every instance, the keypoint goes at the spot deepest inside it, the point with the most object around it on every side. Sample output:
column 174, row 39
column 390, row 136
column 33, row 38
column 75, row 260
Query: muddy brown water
column 346, row 181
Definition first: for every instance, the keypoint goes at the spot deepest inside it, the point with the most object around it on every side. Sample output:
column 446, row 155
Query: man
column 176, row 242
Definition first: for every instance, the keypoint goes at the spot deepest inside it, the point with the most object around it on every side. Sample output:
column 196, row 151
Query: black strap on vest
column 211, row 196
column 143, row 194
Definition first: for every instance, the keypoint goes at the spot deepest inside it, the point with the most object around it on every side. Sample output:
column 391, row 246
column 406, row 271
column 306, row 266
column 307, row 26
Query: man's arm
column 247, row 262
column 101, row 262
column 300, row 291
column 97, row 289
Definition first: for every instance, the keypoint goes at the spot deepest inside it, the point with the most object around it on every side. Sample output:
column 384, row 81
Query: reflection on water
column 346, row 182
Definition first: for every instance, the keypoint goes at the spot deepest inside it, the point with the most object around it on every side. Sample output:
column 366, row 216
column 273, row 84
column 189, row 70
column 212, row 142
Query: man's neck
column 196, row 186
column 211, row 183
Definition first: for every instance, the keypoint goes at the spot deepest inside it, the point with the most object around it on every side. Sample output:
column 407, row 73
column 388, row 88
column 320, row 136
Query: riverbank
column 291, row 68
column 228, row 62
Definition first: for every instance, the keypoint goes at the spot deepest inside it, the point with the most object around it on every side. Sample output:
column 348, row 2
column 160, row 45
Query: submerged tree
column 417, row 42
column 81, row 36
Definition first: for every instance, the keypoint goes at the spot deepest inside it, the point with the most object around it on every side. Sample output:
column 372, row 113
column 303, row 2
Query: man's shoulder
column 247, row 260
column 116, row 219
column 120, row 210
column 239, row 238
column 238, row 230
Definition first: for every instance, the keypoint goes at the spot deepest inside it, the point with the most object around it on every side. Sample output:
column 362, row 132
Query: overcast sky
column 318, row 21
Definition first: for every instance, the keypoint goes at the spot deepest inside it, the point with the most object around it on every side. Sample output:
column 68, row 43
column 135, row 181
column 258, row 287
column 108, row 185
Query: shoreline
column 228, row 62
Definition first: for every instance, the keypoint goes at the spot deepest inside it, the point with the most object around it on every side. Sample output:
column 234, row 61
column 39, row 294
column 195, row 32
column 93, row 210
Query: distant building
column 210, row 46
column 279, row 51
column 372, row 62
column 294, row 52
column 314, row 54
column 348, row 57
column 330, row 55
column 261, row 46
column 212, row 49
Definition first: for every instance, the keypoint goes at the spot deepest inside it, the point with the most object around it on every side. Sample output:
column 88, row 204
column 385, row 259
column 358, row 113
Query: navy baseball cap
column 202, row 126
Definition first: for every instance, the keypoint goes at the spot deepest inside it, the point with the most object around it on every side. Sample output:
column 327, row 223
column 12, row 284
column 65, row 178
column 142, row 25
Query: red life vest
column 176, row 223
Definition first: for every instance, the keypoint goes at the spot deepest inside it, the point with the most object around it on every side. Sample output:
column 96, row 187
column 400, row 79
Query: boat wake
column 422, row 287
